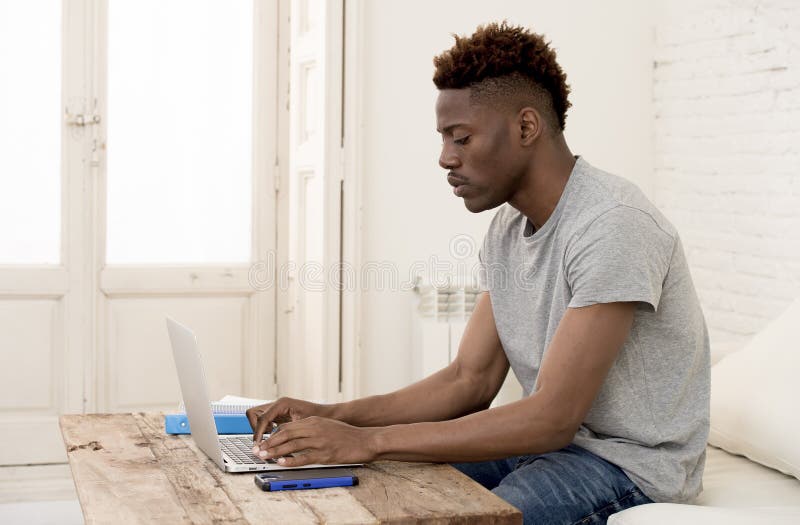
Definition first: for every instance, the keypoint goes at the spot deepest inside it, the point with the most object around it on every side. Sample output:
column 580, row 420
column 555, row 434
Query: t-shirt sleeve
column 622, row 256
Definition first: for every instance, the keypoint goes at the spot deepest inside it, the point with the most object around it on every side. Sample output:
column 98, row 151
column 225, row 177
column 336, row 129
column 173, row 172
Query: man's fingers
column 298, row 461
column 264, row 422
column 252, row 417
column 285, row 449
column 288, row 432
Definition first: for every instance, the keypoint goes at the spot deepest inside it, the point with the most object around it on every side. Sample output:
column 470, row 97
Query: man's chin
column 477, row 205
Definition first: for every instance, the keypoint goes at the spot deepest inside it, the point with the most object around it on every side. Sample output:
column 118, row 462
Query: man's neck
column 543, row 185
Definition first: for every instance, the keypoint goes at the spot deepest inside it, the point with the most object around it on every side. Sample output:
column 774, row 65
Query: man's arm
column 584, row 347
column 468, row 384
column 574, row 368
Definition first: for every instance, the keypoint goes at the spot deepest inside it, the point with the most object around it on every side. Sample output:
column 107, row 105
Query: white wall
column 409, row 211
column 727, row 100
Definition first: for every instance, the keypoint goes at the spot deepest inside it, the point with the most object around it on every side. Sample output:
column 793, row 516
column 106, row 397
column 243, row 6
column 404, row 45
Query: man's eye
column 462, row 141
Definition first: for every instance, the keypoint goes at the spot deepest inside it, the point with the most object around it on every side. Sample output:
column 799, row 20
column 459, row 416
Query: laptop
column 231, row 453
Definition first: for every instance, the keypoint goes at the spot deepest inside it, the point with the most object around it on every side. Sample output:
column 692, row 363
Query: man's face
column 479, row 150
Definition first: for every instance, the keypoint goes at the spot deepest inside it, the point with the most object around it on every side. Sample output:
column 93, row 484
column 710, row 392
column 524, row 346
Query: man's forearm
column 438, row 397
column 523, row 427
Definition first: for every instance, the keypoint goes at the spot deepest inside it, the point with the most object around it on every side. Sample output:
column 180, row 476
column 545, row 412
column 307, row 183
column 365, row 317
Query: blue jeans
column 568, row 486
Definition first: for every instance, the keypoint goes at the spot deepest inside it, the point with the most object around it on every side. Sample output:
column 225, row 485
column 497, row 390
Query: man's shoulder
column 603, row 194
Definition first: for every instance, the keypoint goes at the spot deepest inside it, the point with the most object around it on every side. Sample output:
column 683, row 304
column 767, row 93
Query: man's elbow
column 555, row 422
column 479, row 388
column 560, row 430
column 564, row 434
column 551, row 435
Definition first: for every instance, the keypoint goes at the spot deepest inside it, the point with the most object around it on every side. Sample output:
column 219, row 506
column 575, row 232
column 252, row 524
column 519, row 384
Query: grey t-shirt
column 605, row 242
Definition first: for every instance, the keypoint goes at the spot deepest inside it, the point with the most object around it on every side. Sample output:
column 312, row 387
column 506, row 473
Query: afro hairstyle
column 506, row 67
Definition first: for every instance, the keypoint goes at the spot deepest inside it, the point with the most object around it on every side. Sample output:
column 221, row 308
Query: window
column 30, row 132
column 179, row 131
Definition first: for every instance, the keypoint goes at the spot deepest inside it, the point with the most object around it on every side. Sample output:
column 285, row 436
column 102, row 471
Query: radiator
column 439, row 316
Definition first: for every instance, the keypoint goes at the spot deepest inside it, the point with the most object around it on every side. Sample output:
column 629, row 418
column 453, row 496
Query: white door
column 310, row 345
column 188, row 169
column 41, row 372
column 138, row 185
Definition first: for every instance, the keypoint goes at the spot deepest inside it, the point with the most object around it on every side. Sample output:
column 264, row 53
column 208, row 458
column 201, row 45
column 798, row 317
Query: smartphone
column 305, row 479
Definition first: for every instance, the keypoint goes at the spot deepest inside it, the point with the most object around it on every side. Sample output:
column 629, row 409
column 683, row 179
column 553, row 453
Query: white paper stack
column 231, row 404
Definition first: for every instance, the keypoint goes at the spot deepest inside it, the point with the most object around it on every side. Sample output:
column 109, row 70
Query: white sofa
column 736, row 490
column 752, row 473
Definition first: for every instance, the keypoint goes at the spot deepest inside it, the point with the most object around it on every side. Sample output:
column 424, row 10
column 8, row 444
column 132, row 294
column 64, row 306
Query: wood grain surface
column 127, row 470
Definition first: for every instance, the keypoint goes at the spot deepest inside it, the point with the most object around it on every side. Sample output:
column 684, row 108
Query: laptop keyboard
column 240, row 450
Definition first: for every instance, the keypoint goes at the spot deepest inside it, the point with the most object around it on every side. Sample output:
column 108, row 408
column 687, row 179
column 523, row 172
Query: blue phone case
column 310, row 483
column 299, row 480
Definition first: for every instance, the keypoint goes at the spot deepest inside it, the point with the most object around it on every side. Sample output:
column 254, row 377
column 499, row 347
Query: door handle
column 81, row 120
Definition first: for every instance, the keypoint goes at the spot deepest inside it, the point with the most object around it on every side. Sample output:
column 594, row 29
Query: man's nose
column 448, row 160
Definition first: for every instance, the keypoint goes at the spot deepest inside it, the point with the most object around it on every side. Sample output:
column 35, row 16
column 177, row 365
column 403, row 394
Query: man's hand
column 283, row 410
column 320, row 440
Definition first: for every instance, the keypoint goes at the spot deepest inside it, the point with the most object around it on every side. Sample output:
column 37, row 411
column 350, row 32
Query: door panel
column 29, row 338
column 141, row 373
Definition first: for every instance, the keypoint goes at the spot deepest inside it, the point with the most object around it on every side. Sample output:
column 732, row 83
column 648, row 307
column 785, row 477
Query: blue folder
column 226, row 424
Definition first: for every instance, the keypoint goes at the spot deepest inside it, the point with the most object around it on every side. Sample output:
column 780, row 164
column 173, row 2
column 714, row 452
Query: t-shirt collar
column 551, row 221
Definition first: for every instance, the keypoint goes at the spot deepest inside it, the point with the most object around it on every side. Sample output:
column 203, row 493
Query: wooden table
column 127, row 470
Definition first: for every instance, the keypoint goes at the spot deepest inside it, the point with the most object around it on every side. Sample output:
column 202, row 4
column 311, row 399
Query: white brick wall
column 727, row 156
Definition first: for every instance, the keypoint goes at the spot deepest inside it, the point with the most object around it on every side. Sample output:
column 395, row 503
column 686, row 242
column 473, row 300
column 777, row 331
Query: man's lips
column 455, row 180
column 458, row 184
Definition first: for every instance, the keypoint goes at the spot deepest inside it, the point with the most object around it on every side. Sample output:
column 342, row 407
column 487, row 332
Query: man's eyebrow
column 451, row 127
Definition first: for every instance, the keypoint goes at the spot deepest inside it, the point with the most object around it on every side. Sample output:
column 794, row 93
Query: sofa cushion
column 735, row 490
column 755, row 394
column 735, row 481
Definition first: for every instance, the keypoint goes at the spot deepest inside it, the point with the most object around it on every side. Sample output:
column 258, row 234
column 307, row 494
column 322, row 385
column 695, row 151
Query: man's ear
column 530, row 125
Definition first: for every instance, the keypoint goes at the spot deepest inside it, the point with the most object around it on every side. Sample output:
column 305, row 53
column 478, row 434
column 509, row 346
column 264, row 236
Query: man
column 589, row 301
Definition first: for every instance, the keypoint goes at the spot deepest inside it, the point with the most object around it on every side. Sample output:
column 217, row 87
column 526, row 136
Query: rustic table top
column 127, row 470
